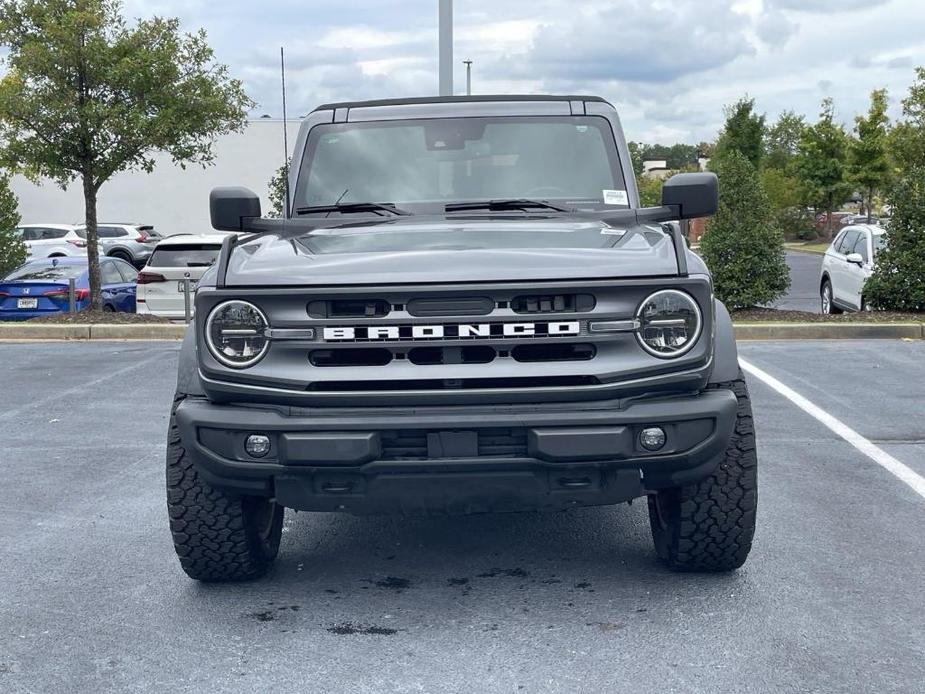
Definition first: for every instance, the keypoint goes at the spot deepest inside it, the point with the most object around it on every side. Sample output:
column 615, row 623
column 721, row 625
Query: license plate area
column 181, row 284
column 27, row 303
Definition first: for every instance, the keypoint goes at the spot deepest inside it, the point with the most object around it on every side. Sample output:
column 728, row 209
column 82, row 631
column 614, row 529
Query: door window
column 847, row 242
column 48, row 234
column 860, row 246
column 129, row 274
column 31, row 234
column 110, row 274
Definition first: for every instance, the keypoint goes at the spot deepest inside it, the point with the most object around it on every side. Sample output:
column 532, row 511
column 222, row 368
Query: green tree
column 783, row 191
column 907, row 138
column 12, row 249
column 277, row 191
column 742, row 246
column 743, row 132
column 650, row 192
column 636, row 156
column 868, row 156
column 821, row 164
column 898, row 282
column 782, row 141
column 86, row 96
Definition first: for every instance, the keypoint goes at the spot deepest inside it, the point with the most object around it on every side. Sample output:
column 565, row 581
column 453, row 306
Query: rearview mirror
column 229, row 207
column 855, row 258
column 694, row 194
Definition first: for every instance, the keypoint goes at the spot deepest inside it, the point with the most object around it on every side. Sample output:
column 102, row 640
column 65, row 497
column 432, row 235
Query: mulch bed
column 83, row 317
column 759, row 315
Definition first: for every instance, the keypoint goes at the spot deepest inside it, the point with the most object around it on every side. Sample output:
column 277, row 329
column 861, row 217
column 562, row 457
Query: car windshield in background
column 30, row 273
column 571, row 160
column 187, row 255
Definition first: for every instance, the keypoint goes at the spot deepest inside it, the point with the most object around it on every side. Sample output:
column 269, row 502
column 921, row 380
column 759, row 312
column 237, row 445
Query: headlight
column 236, row 334
column 669, row 323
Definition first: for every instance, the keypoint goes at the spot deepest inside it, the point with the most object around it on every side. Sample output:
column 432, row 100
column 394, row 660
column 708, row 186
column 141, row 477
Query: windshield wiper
column 348, row 207
column 504, row 204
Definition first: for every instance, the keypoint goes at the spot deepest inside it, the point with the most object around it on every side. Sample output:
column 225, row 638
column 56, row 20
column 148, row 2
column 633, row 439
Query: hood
column 418, row 250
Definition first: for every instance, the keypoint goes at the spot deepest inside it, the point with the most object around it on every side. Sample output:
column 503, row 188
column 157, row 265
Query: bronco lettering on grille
column 451, row 332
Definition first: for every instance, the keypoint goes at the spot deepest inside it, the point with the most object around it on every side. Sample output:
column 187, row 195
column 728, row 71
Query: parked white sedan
column 177, row 258
column 847, row 264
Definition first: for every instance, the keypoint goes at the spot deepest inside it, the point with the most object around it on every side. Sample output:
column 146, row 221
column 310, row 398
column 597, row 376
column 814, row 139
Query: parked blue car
column 40, row 287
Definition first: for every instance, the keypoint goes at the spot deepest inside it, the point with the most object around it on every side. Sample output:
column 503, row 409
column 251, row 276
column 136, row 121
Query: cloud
column 635, row 42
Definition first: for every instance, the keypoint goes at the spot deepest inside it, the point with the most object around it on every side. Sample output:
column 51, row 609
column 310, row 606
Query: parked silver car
column 132, row 243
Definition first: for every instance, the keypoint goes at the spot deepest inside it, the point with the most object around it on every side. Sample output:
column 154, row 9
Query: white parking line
column 871, row 450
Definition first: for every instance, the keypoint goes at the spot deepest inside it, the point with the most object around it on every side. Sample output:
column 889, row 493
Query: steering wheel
column 546, row 190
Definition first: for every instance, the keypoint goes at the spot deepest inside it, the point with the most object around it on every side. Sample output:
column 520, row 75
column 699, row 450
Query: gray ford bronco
column 464, row 309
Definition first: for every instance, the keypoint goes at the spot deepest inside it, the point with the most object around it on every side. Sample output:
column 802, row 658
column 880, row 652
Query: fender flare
column 188, row 365
column 725, row 352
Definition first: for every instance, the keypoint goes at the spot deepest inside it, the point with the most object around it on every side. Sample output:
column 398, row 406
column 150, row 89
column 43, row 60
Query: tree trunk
column 870, row 204
column 93, row 245
column 828, row 218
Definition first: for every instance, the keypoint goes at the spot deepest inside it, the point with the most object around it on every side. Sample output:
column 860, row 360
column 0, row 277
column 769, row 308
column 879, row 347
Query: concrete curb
column 96, row 331
column 744, row 331
column 829, row 331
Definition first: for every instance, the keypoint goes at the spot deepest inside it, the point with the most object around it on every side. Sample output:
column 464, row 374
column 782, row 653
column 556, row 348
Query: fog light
column 257, row 445
column 652, row 438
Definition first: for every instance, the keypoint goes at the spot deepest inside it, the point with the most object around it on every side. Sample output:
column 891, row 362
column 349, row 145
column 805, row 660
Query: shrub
column 898, row 282
column 742, row 245
column 12, row 249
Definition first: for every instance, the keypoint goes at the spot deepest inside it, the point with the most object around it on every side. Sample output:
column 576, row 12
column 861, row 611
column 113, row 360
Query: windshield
column 430, row 163
column 33, row 272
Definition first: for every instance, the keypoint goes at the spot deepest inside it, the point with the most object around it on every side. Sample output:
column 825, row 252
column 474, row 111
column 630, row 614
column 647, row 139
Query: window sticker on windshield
column 616, row 197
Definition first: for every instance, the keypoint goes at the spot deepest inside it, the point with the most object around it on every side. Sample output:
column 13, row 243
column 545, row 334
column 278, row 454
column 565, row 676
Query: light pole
column 446, row 47
column 468, row 64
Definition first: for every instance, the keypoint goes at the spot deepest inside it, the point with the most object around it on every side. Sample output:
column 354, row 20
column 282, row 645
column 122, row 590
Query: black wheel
column 217, row 536
column 108, row 308
column 121, row 255
column 709, row 526
column 828, row 303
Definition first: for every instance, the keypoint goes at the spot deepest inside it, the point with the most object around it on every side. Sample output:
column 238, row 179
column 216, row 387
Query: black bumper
column 458, row 459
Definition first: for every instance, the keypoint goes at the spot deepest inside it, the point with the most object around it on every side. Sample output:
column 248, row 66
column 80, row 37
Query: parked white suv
column 52, row 241
column 847, row 264
column 176, row 258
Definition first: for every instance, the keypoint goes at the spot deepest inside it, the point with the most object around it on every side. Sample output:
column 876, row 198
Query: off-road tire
column 709, row 526
column 217, row 536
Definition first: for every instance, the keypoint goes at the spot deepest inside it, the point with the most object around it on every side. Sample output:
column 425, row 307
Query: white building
column 172, row 199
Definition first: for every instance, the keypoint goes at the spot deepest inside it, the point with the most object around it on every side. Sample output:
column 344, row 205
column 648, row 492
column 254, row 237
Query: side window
column 129, row 274
column 111, row 232
column 109, row 274
column 48, row 234
column 860, row 246
column 31, row 234
column 847, row 242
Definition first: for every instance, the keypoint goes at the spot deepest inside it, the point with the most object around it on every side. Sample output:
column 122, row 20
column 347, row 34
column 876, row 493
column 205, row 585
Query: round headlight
column 669, row 323
column 236, row 333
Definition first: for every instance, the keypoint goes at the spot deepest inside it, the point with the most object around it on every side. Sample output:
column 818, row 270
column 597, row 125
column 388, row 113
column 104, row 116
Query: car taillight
column 80, row 243
column 141, row 238
column 150, row 278
column 79, row 294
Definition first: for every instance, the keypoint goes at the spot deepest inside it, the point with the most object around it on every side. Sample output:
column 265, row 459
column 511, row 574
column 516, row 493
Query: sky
column 669, row 66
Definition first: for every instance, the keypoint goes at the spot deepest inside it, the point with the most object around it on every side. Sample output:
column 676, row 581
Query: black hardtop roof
column 458, row 99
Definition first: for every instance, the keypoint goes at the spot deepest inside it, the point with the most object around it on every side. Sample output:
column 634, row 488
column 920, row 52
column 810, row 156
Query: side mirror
column 694, row 194
column 855, row 258
column 229, row 207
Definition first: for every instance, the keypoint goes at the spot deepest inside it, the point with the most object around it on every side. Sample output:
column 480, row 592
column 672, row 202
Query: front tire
column 217, row 536
column 827, row 299
column 709, row 526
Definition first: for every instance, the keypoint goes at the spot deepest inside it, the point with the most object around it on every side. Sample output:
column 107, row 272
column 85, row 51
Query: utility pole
column 468, row 64
column 446, row 47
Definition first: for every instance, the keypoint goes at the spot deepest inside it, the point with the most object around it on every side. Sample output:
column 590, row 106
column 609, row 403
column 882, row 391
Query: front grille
column 421, row 444
column 553, row 303
column 452, row 384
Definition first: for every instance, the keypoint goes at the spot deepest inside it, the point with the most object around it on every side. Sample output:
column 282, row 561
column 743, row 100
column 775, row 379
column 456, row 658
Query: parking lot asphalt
column 93, row 600
column 803, row 294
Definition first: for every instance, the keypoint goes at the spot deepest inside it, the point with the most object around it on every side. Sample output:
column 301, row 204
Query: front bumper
column 458, row 459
